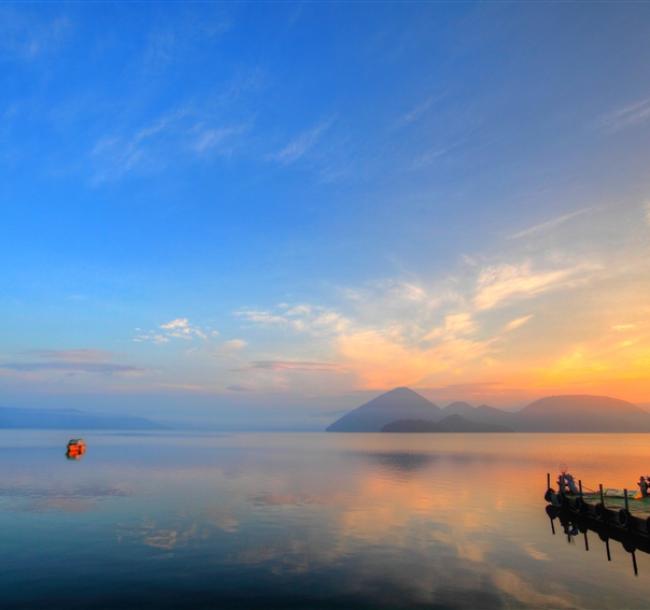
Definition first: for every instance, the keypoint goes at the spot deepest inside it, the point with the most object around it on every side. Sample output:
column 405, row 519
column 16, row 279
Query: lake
column 307, row 520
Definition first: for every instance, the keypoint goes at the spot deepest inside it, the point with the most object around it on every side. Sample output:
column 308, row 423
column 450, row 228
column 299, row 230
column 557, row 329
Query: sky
column 263, row 214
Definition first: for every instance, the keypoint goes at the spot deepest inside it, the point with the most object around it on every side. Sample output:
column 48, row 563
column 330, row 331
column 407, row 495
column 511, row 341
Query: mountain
column 458, row 408
column 451, row 423
column 63, row 419
column 402, row 409
column 400, row 403
column 491, row 415
column 582, row 413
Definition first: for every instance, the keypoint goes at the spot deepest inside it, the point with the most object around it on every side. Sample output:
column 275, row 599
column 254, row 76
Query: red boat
column 76, row 448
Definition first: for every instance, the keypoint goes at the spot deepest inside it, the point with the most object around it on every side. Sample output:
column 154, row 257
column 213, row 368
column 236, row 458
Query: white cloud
column 177, row 323
column 178, row 328
column 182, row 329
column 549, row 224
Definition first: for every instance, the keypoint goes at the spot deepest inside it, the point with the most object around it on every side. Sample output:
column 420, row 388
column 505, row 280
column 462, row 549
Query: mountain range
column 64, row 419
column 403, row 410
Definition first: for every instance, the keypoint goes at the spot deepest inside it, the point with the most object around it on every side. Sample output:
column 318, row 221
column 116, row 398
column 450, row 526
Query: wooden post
column 580, row 486
column 609, row 555
column 627, row 502
column 602, row 495
column 636, row 569
column 548, row 480
column 586, row 541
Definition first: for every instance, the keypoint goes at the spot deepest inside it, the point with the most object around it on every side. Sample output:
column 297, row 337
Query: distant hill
column 451, row 423
column 584, row 413
column 458, row 408
column 400, row 403
column 73, row 419
column 402, row 409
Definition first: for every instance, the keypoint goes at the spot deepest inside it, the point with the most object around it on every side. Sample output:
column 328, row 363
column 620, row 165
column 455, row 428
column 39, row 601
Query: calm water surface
column 307, row 521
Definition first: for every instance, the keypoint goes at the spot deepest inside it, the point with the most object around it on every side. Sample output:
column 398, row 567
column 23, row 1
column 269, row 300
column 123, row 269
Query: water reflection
column 307, row 521
column 576, row 525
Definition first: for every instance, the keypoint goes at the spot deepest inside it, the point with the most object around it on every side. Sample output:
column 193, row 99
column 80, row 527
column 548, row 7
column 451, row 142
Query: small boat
column 76, row 448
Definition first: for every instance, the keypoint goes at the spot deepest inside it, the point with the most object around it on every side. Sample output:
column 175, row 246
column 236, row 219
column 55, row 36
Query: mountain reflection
column 402, row 462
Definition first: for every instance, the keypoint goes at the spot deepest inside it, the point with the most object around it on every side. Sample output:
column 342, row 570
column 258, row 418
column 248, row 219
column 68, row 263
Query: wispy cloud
column 211, row 138
column 293, row 365
column 417, row 111
column 632, row 114
column 429, row 157
column 106, row 368
column 454, row 325
column 549, row 224
column 299, row 146
column 316, row 320
column 167, row 44
column 190, row 130
column 186, row 131
column 71, row 361
column 500, row 284
column 25, row 36
column 624, row 327
column 518, row 323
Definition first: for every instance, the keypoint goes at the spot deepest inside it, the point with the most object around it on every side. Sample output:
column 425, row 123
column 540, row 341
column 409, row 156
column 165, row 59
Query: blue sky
column 270, row 210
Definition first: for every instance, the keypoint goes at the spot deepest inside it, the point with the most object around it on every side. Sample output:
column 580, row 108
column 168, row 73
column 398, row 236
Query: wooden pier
column 623, row 519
